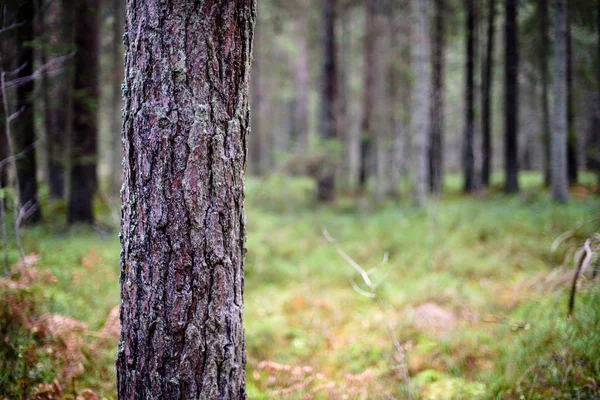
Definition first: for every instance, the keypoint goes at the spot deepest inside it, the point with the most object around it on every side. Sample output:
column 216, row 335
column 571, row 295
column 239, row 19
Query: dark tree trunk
column 24, row 127
column 366, row 126
column 486, row 97
column 543, row 59
column 468, row 149
column 55, row 93
column 116, row 169
column 329, row 107
column 511, row 97
column 437, row 99
column 572, row 162
column 186, row 122
column 84, row 138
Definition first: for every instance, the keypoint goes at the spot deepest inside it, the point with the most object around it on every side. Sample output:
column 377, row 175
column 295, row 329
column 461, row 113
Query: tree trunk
column 116, row 103
column 329, row 107
column 24, row 126
column 302, row 83
column 420, row 122
column 511, row 97
column 543, row 59
column 366, row 128
column 186, row 121
column 560, row 183
column 84, row 147
column 437, row 98
column 468, row 149
column 571, row 129
column 486, row 97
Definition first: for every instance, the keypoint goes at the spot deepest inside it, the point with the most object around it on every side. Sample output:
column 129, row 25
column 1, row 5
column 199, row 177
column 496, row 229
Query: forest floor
column 471, row 285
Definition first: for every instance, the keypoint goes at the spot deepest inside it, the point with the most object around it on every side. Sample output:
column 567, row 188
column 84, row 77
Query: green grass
column 481, row 260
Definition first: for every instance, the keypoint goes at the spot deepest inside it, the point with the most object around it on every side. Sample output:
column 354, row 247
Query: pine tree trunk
column 560, row 183
column 23, row 128
column 437, row 113
column 571, row 129
column 330, row 101
column 420, row 122
column 468, row 149
column 543, row 59
column 116, row 169
column 186, row 122
column 84, row 147
column 511, row 97
column 486, row 97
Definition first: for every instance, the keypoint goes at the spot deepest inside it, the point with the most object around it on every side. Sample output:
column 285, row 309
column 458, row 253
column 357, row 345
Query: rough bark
column 544, row 73
column 330, row 102
column 572, row 159
column 437, row 98
column 420, row 122
column 486, row 97
column 560, row 183
column 84, row 147
column 116, row 102
column 511, row 97
column 468, row 145
column 186, row 122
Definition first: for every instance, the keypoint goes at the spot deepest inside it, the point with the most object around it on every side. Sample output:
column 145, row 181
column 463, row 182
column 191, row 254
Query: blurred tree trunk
column 183, row 228
column 511, row 96
column 366, row 126
column 302, row 84
column 560, row 183
column 420, row 121
column 437, row 110
column 116, row 103
column 572, row 162
column 468, row 149
column 257, row 138
column 23, row 128
column 486, row 97
column 543, row 59
column 84, row 138
column 330, row 101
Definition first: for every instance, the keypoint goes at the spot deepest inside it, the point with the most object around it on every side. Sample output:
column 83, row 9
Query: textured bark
column 486, row 97
column 544, row 73
column 571, row 129
column 84, row 147
column 420, row 123
column 116, row 169
column 468, row 146
column 560, row 183
column 24, row 128
column 511, row 97
column 186, row 122
column 330, row 101
column 437, row 98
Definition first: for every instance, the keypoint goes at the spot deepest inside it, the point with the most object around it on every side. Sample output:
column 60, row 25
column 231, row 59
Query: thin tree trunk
column 116, row 169
column 367, row 135
column 302, row 84
column 468, row 149
column 329, row 107
column 186, row 121
column 420, row 122
column 24, row 127
column 84, row 147
column 511, row 97
column 486, row 97
column 560, row 182
column 572, row 162
column 437, row 110
column 543, row 59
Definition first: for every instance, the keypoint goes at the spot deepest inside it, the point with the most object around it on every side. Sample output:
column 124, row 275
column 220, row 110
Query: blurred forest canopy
column 359, row 110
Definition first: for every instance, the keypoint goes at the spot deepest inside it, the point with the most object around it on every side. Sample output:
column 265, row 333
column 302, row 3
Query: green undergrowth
column 469, row 284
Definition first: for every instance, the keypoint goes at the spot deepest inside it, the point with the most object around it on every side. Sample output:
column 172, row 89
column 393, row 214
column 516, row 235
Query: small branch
column 13, row 26
column 584, row 260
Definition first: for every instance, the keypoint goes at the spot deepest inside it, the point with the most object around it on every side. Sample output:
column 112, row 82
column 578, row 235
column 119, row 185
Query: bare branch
column 10, row 27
